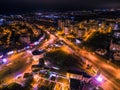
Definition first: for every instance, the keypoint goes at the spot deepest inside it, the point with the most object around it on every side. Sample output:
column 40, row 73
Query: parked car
column 37, row 52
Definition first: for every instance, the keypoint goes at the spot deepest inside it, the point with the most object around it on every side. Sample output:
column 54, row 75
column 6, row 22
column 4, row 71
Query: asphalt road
column 21, row 63
column 108, row 71
column 17, row 64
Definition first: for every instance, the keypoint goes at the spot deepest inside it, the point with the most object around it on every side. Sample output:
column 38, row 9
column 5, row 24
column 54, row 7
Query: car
column 35, row 66
column 53, row 78
column 19, row 76
column 10, row 53
column 47, row 67
column 43, row 72
column 1, row 56
column 37, row 52
column 36, row 70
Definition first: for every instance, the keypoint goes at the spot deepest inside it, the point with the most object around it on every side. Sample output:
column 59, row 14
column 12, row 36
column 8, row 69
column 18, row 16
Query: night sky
column 27, row 5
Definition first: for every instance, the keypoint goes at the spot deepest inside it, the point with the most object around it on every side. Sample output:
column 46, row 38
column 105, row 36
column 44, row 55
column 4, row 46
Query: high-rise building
column 115, row 45
column 66, row 30
column 80, row 33
column 60, row 25
column 71, row 28
column 76, row 29
column 67, row 22
column 115, row 26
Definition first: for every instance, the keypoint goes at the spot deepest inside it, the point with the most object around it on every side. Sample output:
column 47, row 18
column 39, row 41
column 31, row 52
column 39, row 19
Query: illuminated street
column 109, row 71
column 15, row 67
column 59, row 45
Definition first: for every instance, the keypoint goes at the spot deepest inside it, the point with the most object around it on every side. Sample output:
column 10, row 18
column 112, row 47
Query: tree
column 13, row 86
column 63, row 60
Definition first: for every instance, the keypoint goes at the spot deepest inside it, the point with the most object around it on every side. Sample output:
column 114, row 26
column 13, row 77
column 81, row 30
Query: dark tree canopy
column 63, row 60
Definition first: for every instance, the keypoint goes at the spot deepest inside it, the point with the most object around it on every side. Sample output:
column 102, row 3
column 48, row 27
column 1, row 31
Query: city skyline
column 59, row 45
column 31, row 5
